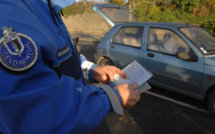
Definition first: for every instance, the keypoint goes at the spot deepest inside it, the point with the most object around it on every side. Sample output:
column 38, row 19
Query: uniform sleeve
column 40, row 102
column 87, row 68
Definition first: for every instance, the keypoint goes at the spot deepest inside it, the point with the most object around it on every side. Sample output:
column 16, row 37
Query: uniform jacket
column 42, row 89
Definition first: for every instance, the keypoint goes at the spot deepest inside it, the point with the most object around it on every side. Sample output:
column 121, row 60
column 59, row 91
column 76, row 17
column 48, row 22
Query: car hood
column 115, row 13
column 210, row 61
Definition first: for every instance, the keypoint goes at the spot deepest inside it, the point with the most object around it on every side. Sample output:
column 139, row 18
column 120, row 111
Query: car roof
column 166, row 24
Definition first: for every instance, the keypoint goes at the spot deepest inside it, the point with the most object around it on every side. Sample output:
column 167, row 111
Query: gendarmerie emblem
column 18, row 52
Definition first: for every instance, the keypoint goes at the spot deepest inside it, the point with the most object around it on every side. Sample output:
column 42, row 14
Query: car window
column 165, row 41
column 201, row 38
column 129, row 36
column 116, row 14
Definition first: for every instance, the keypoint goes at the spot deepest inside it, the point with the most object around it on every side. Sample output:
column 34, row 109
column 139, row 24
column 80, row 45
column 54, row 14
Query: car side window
column 165, row 41
column 129, row 36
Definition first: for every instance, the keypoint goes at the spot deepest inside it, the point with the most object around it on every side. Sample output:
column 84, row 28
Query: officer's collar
column 60, row 4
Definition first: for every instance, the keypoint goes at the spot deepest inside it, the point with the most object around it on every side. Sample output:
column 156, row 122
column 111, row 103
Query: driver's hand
column 105, row 74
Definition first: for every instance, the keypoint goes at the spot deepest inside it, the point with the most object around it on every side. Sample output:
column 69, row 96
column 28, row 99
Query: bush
column 145, row 13
column 186, row 5
column 78, row 8
column 164, row 16
column 209, row 25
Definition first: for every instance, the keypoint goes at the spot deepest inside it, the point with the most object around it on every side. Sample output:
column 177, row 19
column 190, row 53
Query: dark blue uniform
column 42, row 89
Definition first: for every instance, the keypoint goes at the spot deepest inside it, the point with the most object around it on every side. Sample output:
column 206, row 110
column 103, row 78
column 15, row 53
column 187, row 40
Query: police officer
column 42, row 90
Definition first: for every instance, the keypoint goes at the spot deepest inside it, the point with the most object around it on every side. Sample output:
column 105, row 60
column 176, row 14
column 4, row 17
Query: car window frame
column 191, row 50
column 192, row 41
column 123, row 27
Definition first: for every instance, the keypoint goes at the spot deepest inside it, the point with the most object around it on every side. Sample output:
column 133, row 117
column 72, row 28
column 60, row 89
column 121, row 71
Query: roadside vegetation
column 196, row 12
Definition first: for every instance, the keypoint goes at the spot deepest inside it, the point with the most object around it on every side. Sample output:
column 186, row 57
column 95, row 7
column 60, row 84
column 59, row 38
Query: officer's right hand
column 129, row 94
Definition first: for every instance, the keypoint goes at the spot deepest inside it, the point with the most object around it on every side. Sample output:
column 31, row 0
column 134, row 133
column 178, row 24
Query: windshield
column 119, row 14
column 201, row 38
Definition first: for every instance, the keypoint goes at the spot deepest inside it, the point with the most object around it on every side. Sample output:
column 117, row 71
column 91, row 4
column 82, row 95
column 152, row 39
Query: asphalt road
column 169, row 114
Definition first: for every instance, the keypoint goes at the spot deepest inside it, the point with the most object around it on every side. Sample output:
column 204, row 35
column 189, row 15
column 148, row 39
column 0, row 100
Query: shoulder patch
column 18, row 52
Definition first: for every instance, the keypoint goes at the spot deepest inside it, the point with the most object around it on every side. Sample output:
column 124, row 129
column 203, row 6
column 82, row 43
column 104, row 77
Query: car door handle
column 112, row 46
column 150, row 55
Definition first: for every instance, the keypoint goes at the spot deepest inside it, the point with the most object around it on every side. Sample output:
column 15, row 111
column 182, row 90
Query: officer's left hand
column 106, row 73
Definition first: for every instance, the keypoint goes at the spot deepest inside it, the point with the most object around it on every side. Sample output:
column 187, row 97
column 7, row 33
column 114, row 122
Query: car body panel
column 208, row 78
column 209, row 60
column 187, row 75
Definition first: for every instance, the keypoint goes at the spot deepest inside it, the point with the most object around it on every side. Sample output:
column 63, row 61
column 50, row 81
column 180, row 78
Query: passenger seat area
column 153, row 43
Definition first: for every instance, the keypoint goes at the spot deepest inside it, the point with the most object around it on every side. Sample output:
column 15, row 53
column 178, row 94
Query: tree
column 186, row 5
column 118, row 2
column 132, row 4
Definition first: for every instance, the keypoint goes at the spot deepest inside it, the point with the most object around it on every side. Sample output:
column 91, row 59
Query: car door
column 170, row 71
column 126, row 45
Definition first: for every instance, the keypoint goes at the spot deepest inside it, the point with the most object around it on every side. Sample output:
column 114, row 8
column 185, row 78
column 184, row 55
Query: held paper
column 136, row 74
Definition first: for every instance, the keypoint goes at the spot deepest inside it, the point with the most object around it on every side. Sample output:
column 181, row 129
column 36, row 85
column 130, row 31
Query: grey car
column 180, row 56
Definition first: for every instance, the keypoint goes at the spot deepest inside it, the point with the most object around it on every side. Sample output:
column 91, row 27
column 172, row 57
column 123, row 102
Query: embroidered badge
column 62, row 52
column 18, row 52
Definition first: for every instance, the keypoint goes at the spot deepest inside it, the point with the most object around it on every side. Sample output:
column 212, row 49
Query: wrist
column 91, row 74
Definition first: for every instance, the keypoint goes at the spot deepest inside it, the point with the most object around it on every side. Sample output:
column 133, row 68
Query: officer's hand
column 106, row 73
column 129, row 94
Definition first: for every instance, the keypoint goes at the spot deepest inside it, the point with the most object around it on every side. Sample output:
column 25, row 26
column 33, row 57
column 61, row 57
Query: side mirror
column 186, row 56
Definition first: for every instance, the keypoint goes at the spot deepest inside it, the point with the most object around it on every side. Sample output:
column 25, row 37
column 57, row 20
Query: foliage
column 78, row 8
column 164, row 16
column 208, row 4
column 209, row 24
column 186, row 5
column 142, row 11
column 196, row 12
column 118, row 2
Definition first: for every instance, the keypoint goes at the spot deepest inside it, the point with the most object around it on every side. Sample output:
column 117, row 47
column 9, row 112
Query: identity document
column 136, row 74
